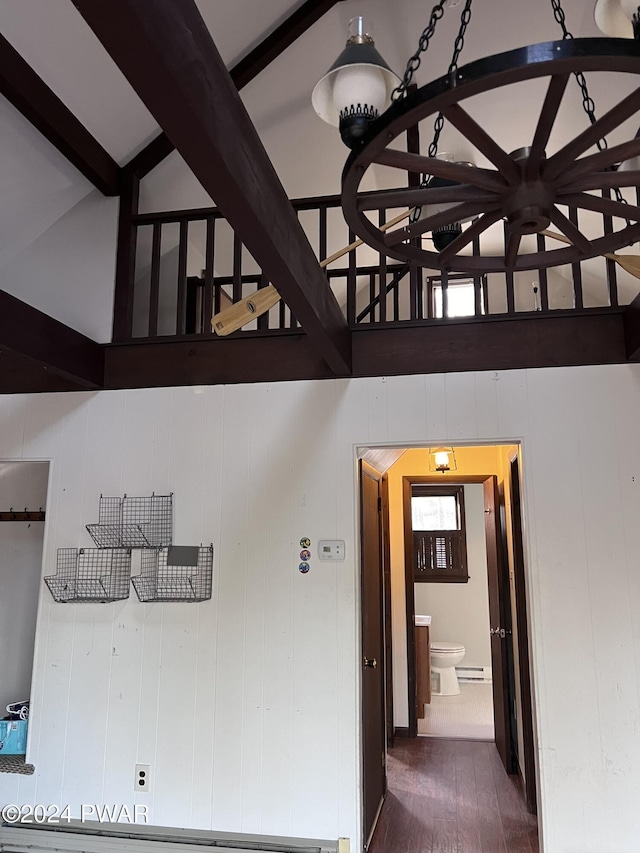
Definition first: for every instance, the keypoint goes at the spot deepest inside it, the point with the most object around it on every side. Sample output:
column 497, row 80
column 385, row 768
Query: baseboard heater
column 477, row 674
column 77, row 837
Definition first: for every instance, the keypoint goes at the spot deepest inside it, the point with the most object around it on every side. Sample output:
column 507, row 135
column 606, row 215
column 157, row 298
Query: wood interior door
column 522, row 620
column 373, row 663
column 500, row 618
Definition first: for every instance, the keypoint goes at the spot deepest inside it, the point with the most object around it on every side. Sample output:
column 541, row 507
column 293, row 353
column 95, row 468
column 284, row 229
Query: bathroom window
column 438, row 537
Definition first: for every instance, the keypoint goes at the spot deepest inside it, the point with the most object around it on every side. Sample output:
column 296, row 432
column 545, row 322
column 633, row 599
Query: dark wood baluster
column 351, row 283
column 322, row 236
column 413, row 290
column 420, row 294
column 372, row 297
column 382, row 277
column 263, row 319
column 182, row 277
column 477, row 281
column 282, row 315
column 543, row 282
column 612, row 267
column 237, row 269
column 396, row 301
column 126, row 257
column 576, row 269
column 155, row 279
column 208, row 276
column 511, row 299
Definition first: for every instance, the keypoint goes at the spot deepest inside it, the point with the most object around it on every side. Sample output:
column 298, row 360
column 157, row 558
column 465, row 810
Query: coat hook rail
column 22, row 515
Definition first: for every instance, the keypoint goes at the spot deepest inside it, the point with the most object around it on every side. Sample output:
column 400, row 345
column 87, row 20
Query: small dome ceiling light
column 357, row 88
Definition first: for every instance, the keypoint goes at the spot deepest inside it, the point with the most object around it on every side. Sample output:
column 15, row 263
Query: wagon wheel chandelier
column 524, row 188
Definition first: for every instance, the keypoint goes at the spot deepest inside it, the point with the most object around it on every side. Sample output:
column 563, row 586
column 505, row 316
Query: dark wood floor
column 452, row 796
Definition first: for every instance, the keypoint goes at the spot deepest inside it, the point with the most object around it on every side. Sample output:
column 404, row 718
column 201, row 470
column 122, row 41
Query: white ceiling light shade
column 618, row 18
column 357, row 87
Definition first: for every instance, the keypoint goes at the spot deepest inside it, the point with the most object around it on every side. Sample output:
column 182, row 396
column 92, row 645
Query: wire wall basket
column 126, row 522
column 91, row 574
column 178, row 573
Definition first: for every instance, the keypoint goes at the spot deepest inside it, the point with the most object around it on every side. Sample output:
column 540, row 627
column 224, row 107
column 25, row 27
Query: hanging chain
column 453, row 67
column 588, row 103
column 414, row 62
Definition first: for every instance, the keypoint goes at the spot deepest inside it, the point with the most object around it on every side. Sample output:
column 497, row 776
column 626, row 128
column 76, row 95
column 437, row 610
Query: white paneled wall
column 246, row 707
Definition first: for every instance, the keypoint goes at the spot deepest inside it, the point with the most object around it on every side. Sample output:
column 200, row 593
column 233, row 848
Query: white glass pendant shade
column 360, row 87
column 630, row 8
column 358, row 76
column 614, row 17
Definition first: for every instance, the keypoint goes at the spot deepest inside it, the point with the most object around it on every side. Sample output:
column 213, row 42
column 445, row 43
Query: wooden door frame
column 388, row 627
column 410, row 601
column 522, row 627
column 367, row 470
column 522, row 622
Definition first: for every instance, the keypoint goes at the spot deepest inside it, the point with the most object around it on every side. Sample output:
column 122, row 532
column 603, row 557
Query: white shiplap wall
column 247, row 706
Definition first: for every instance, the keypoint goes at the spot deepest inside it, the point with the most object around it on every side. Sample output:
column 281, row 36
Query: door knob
column 372, row 663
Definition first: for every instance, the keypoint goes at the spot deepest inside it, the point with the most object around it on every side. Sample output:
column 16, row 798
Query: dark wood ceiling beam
column 31, row 337
column 631, row 319
column 171, row 61
column 29, row 94
column 244, row 72
column 502, row 344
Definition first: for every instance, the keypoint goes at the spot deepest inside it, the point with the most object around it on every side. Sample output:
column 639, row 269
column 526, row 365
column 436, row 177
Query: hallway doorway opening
column 444, row 587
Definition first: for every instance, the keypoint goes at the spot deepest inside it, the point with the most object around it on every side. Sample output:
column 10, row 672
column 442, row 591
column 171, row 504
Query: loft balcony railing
column 190, row 265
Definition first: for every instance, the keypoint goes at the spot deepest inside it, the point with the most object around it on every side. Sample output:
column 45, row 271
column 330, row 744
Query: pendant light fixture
column 618, row 18
column 442, row 459
column 357, row 88
column 527, row 189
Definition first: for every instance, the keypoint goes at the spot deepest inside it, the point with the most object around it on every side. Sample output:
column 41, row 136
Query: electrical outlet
column 142, row 781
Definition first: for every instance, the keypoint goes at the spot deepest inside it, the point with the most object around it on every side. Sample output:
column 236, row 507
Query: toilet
column 444, row 659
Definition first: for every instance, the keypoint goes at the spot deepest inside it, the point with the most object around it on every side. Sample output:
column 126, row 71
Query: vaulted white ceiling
column 38, row 188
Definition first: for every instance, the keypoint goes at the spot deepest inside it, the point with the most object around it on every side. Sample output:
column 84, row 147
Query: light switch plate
column 331, row 549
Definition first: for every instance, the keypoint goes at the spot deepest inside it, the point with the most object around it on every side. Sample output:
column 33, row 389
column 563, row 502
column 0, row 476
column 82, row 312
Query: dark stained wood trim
column 503, row 344
column 483, row 345
column 388, row 628
column 172, row 63
column 244, row 71
column 56, row 348
column 29, row 94
column 631, row 319
column 522, row 624
column 125, row 257
column 401, row 731
column 410, row 609
column 267, row 358
column 151, row 156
